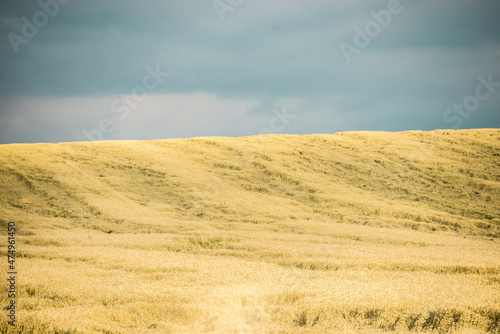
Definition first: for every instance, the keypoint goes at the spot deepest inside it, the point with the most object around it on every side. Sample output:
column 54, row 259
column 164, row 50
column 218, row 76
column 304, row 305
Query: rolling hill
column 349, row 232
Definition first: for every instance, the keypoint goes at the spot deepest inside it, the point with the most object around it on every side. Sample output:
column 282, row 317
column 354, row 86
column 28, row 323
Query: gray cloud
column 426, row 59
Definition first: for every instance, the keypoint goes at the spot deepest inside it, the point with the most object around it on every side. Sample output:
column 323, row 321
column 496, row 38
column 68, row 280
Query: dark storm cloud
column 426, row 59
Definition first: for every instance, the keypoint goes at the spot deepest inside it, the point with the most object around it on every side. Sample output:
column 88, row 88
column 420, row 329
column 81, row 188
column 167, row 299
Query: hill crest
column 442, row 180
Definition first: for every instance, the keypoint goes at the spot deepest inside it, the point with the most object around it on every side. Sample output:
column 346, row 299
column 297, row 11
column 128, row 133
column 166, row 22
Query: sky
column 85, row 70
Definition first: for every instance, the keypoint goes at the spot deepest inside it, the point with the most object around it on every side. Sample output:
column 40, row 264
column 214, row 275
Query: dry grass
column 360, row 232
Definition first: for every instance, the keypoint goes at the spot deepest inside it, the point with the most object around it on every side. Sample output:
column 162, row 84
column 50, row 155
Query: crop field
column 355, row 232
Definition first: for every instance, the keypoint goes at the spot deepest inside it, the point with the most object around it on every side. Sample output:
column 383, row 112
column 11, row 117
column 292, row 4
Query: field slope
column 351, row 232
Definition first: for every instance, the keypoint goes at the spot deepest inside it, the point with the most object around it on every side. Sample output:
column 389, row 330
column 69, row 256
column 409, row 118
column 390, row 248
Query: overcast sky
column 76, row 70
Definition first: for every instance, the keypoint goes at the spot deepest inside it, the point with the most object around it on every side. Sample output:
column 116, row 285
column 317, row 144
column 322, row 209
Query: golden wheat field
column 356, row 232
